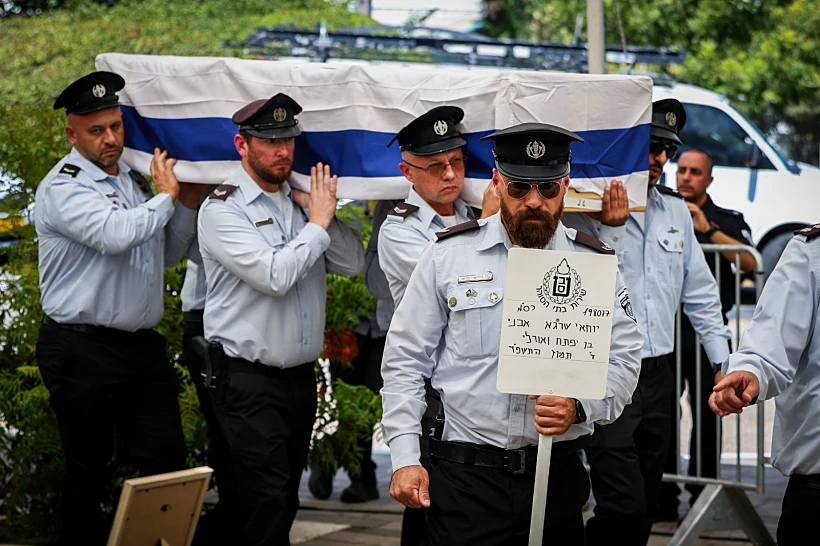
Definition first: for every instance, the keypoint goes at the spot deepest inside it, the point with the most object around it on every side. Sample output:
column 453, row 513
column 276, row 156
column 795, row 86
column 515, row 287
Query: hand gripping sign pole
column 557, row 323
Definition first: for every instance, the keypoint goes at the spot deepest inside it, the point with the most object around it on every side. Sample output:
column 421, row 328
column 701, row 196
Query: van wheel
column 772, row 251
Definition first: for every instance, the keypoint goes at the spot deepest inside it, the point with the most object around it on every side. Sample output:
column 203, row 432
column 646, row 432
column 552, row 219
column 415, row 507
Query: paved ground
column 332, row 523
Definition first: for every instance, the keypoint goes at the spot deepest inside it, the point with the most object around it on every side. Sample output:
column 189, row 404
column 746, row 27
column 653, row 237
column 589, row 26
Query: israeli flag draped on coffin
column 351, row 111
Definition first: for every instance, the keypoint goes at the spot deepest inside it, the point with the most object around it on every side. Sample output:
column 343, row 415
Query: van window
column 714, row 131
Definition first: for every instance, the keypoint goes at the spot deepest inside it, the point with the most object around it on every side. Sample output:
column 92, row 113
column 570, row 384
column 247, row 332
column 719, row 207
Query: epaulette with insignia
column 142, row 183
column 403, row 210
column 729, row 212
column 591, row 242
column 809, row 232
column 668, row 191
column 456, row 229
column 70, row 170
column 223, row 191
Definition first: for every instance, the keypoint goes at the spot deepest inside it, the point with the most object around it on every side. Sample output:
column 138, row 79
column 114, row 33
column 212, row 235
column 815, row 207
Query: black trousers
column 414, row 520
column 477, row 506
column 798, row 521
column 365, row 370
column 221, row 525
column 267, row 416
column 709, row 422
column 626, row 462
column 99, row 382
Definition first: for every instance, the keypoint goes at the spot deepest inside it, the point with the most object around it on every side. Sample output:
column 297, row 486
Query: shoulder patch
column 70, row 170
column 141, row 182
column 403, row 210
column 591, row 242
column 456, row 229
column 809, row 232
column 222, row 192
column 668, row 191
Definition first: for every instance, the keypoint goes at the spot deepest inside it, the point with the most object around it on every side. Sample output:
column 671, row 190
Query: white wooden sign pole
column 539, row 494
column 555, row 335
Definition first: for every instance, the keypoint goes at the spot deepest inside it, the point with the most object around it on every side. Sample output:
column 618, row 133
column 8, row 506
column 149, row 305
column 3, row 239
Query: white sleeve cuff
column 405, row 451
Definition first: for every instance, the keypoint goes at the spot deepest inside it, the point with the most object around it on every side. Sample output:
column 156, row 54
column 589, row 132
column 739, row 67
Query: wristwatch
column 580, row 414
column 712, row 230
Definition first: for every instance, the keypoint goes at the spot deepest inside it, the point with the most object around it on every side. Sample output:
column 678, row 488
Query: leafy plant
column 346, row 415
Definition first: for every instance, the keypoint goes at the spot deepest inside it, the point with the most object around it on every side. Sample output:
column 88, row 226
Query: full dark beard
column 531, row 234
column 265, row 173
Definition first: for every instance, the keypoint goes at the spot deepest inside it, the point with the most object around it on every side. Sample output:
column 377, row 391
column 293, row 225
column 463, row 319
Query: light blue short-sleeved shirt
column 265, row 271
column 664, row 266
column 403, row 238
column 104, row 244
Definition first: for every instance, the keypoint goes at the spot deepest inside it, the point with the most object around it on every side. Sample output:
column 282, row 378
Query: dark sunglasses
column 656, row 147
column 519, row 190
column 437, row 169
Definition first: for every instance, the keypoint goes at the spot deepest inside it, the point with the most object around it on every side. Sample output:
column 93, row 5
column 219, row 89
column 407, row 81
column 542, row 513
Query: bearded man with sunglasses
column 479, row 488
column 433, row 162
column 664, row 267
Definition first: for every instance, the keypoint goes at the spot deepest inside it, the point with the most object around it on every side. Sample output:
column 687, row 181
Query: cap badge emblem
column 98, row 91
column 536, row 149
column 440, row 127
column 671, row 119
column 280, row 114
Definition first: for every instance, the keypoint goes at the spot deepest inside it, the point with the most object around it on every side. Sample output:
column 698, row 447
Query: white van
column 775, row 196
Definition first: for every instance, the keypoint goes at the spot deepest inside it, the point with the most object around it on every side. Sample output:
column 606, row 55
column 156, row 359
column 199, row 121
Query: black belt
column 100, row 331
column 516, row 461
column 649, row 364
column 240, row 365
column 193, row 316
column 805, row 479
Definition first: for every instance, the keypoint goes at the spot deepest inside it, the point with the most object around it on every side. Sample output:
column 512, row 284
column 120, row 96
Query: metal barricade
column 723, row 504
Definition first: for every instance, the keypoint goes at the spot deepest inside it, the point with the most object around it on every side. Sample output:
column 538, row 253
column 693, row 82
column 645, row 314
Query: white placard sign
column 557, row 323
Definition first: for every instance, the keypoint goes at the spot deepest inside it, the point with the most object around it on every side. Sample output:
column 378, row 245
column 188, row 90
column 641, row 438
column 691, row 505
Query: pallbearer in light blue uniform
column 434, row 163
column 779, row 357
column 104, row 241
column 266, row 250
column 664, row 267
column 448, row 328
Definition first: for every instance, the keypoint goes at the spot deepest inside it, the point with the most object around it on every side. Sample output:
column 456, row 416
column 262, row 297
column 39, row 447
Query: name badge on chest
column 486, row 277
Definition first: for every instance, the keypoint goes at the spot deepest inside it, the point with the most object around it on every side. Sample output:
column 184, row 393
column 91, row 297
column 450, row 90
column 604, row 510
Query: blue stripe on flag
column 360, row 153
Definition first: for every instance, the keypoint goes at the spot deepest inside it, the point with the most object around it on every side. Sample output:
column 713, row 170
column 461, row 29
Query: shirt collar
column 92, row 170
column 654, row 197
column 250, row 189
column 708, row 205
column 496, row 234
column 427, row 215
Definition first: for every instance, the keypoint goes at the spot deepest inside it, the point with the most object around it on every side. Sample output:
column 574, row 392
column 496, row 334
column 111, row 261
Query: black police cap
column 95, row 91
column 432, row 132
column 270, row 118
column 668, row 119
column 533, row 151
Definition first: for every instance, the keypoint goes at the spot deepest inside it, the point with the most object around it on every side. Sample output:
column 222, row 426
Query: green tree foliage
column 763, row 55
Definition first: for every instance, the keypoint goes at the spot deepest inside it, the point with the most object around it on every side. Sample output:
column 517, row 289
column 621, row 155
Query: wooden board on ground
column 161, row 509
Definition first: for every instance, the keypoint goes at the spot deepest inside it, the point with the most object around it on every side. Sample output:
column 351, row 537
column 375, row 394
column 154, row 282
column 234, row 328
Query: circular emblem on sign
column 98, row 91
column 561, row 286
column 671, row 119
column 440, row 127
column 280, row 114
column 536, row 149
